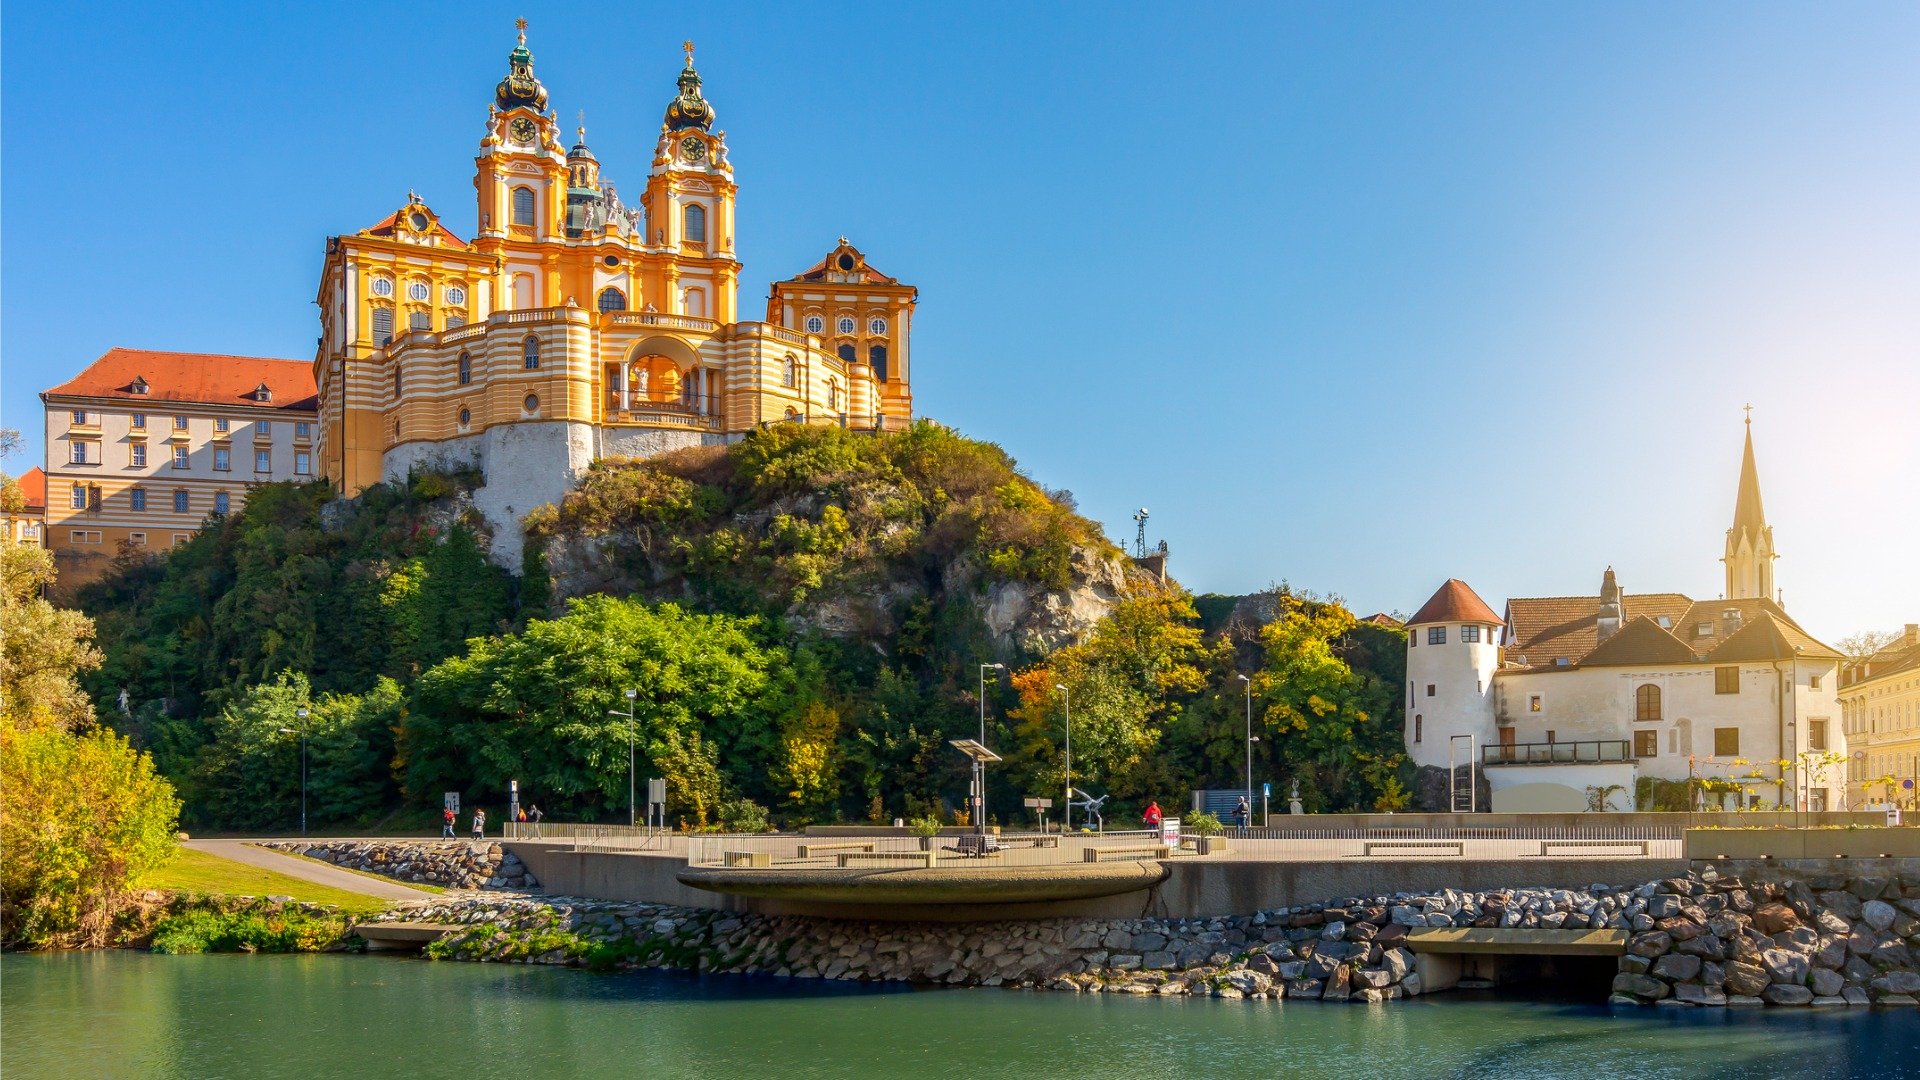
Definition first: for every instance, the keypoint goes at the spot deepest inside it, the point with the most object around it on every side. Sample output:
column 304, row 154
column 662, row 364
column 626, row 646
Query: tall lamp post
column 631, row 694
column 1068, row 694
column 302, row 713
column 979, row 767
column 1250, row 741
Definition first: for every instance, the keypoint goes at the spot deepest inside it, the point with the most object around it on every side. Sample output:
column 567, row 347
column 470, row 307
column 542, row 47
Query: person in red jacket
column 1152, row 816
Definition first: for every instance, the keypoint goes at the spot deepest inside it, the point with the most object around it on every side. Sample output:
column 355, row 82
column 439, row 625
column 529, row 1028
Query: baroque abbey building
column 573, row 326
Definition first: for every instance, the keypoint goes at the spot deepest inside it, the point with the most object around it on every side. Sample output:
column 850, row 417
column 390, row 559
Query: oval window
column 382, row 286
column 815, row 324
column 532, row 403
column 466, row 417
column 846, row 324
column 456, row 295
column 877, row 326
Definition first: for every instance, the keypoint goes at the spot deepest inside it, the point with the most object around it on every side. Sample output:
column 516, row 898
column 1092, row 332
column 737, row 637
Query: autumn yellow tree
column 42, row 648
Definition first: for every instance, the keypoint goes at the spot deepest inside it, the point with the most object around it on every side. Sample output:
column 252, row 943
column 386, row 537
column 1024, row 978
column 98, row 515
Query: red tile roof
column 1542, row 629
column 384, row 228
column 1642, row 641
column 200, row 378
column 1769, row 637
column 1454, row 602
column 33, row 485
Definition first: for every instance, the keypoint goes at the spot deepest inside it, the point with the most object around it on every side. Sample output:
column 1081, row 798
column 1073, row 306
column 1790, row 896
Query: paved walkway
column 312, row 870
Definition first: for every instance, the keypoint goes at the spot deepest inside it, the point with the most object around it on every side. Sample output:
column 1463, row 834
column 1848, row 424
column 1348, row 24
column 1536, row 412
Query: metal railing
column 1579, row 752
column 948, row 851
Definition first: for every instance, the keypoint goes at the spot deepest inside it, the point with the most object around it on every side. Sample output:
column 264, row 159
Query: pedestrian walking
column 1242, row 813
column 446, row 824
column 1152, row 816
column 536, row 815
column 479, row 824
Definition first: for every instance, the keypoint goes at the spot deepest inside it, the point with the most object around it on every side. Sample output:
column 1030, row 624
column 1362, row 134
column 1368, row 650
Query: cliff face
column 889, row 539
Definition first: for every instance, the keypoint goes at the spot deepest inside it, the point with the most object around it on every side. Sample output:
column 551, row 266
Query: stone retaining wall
column 1700, row 940
column 452, row 864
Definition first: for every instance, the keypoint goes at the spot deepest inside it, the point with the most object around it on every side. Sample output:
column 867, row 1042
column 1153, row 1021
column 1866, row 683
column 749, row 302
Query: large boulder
column 1643, row 987
column 1747, row 980
column 1786, row 995
column 1774, row 918
column 1879, row 914
column 1677, row 967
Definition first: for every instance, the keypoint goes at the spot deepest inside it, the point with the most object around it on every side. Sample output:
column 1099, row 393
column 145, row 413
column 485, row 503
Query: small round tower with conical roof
column 1452, row 652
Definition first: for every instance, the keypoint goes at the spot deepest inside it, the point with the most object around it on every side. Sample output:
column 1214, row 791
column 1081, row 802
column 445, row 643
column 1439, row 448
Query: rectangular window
column 1429, row 689
column 222, row 425
column 179, row 423
column 1726, row 680
column 1813, row 682
column 137, row 455
column 1550, row 736
column 1469, row 633
column 222, row 502
column 181, row 538
column 84, row 536
column 302, row 463
column 78, row 497
column 382, row 326
column 1417, row 726
column 419, row 320
column 263, row 461
column 77, row 452
column 1646, row 744
column 1726, row 742
column 79, row 416
column 222, row 459
column 1817, row 800
column 139, row 421
column 1816, row 734
column 180, row 457
column 263, row 431
column 1533, row 703
column 137, row 539
column 137, row 498
column 1436, row 635
column 302, row 429
column 1705, row 629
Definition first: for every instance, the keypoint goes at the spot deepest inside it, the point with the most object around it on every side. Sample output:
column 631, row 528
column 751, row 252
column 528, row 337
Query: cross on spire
column 582, row 129
column 687, row 47
column 1749, row 412
column 521, row 25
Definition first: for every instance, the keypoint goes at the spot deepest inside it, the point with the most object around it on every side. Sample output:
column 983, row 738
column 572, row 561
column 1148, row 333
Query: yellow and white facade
column 1880, row 704
column 574, row 327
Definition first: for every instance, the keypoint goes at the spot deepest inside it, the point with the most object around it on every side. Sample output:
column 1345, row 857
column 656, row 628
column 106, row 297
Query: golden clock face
column 693, row 149
column 522, row 129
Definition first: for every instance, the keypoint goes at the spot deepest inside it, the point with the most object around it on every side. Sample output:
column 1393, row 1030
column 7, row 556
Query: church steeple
column 1750, row 553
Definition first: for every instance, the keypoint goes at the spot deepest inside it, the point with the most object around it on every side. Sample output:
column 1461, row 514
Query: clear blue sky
column 1359, row 297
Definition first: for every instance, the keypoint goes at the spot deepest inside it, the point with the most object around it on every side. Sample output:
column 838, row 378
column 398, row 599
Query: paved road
column 308, row 870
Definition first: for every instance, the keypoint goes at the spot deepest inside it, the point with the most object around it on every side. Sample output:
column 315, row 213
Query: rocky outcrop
column 451, row 864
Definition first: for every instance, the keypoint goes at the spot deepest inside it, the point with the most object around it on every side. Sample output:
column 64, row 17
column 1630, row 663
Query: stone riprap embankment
column 1792, row 940
column 452, row 864
column 1700, row 940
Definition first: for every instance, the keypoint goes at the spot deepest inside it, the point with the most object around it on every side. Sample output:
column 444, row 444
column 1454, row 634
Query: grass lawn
column 198, row 872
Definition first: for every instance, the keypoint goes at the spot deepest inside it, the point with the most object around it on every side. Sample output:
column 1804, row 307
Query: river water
column 126, row 1014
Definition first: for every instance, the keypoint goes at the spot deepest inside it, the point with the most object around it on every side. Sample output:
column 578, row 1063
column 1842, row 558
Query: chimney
column 1607, row 622
column 1913, row 633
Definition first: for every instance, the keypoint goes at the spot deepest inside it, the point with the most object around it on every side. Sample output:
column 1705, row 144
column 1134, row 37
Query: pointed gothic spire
column 1747, row 512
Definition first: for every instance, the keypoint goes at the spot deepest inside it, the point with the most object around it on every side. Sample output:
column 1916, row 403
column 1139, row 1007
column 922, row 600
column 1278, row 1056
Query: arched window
column 382, row 326
column 790, row 371
column 466, row 417
column 613, row 300
column 466, row 369
column 833, row 393
column 530, row 353
column 522, row 206
column 696, row 222
column 846, row 353
column 1646, row 702
column 816, row 325
column 877, row 357
column 694, row 301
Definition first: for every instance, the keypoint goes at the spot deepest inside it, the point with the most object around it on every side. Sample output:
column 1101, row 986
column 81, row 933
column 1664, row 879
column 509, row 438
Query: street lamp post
column 631, row 694
column 979, row 767
column 1069, row 699
column 302, row 714
column 1250, row 741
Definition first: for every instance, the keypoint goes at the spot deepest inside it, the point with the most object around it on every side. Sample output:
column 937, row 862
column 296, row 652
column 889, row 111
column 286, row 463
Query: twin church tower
column 573, row 326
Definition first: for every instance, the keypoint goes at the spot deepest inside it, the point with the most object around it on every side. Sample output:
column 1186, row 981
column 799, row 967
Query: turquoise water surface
column 127, row 1014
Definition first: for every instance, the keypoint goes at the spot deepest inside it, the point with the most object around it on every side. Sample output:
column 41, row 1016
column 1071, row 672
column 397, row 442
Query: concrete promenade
column 244, row 851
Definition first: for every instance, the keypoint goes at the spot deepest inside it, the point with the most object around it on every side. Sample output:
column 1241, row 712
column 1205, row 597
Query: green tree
column 42, row 648
column 82, row 818
column 535, row 706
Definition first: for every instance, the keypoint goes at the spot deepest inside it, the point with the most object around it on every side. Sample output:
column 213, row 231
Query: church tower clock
column 689, row 200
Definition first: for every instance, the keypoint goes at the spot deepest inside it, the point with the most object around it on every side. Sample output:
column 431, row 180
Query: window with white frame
column 80, row 416
column 465, row 372
column 302, row 463
column 456, row 295
column 138, row 455
column 1469, row 634
column 222, row 502
column 383, row 286
column 302, row 429
column 845, row 324
column 137, row 498
column 180, row 501
column 179, row 423
column 180, row 458
column 522, row 206
column 263, row 461
column 137, row 421
column 222, row 459
column 612, row 299
column 530, row 353
column 84, row 536
column 816, row 325
column 78, row 497
column 137, row 539
column 790, row 371
column 77, row 453
column 417, row 290
column 222, row 425
column 696, row 222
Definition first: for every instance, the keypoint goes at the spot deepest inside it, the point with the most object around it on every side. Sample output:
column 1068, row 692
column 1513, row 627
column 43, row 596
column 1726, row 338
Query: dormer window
column 139, row 385
column 263, row 393
column 1705, row 629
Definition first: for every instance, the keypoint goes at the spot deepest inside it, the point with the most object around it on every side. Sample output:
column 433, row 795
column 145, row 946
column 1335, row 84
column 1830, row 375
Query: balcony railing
column 662, row 320
column 1581, row 752
column 703, row 416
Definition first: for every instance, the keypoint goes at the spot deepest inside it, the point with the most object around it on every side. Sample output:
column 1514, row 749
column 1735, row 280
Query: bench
column 1585, row 847
column 807, row 851
column 1413, row 847
column 1102, row 854
column 746, row 858
column 916, row 858
column 1031, row 841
